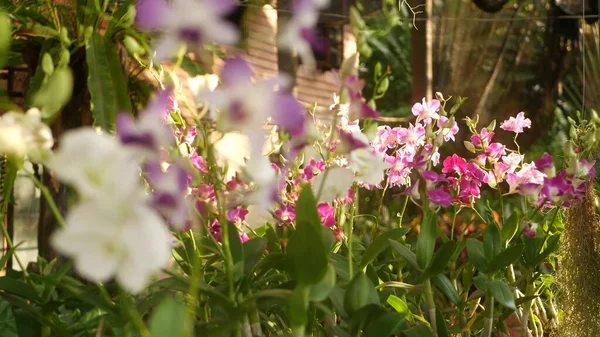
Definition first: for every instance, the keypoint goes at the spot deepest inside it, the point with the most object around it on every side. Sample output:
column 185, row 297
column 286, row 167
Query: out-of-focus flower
column 427, row 110
column 368, row 166
column 358, row 108
column 190, row 22
column 24, row 135
column 439, row 197
column 335, row 182
column 150, row 133
column 97, row 166
column 169, row 191
column 300, row 35
column 517, row 124
column 130, row 246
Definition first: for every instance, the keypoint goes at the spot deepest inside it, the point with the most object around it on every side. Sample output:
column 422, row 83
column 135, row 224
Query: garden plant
column 331, row 226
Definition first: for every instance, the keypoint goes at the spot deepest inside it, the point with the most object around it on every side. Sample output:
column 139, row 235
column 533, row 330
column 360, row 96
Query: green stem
column 194, row 288
column 349, row 231
column 402, row 211
column 488, row 320
column 453, row 222
column 46, row 193
column 501, row 206
column 526, row 307
column 430, row 305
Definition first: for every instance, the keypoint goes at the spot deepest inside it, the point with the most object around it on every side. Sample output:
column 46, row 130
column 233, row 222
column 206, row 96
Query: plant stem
column 402, row 211
column 349, row 231
column 501, row 206
column 526, row 307
column 430, row 305
column 46, row 193
column 488, row 321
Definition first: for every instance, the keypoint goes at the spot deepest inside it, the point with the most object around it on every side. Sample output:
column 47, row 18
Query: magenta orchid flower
column 358, row 108
column 286, row 214
column 517, row 124
column 327, row 214
column 483, row 138
column 439, row 197
column 190, row 22
column 454, row 164
column 494, row 151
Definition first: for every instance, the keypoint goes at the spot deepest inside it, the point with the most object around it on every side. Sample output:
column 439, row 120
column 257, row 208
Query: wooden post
column 418, row 53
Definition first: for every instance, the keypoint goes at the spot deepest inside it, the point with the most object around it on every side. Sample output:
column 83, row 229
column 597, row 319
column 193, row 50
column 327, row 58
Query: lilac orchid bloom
column 191, row 22
column 169, row 192
column 300, row 34
column 149, row 133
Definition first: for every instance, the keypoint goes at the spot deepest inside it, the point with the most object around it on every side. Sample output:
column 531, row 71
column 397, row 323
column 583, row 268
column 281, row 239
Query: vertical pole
column 418, row 50
column 429, row 48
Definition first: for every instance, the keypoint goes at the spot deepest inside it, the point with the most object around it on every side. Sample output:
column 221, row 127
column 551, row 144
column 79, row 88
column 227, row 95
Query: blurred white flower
column 336, row 180
column 25, row 135
column 130, row 246
column 98, row 167
column 368, row 166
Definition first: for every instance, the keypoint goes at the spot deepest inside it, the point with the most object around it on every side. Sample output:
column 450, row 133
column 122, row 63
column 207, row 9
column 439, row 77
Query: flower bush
column 165, row 238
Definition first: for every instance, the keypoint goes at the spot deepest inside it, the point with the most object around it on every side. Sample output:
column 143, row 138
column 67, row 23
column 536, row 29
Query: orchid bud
column 469, row 146
column 132, row 46
column 594, row 116
column 439, row 96
column 572, row 132
column 590, row 139
column 449, row 123
column 439, row 140
column 492, row 126
column 569, row 151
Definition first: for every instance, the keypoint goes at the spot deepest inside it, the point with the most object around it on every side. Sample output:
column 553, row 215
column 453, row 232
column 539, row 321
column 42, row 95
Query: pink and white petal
column 151, row 14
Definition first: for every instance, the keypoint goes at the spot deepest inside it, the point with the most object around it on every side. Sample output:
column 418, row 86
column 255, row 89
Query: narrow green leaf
column 440, row 260
column 384, row 325
column 106, row 81
column 505, row 258
column 379, row 244
column 272, row 240
column 443, row 283
column 426, row 239
column 19, row 288
column 398, row 304
column 550, row 247
column 168, row 319
column 5, row 38
column 475, row 251
column 440, row 323
column 502, row 293
column 491, row 240
column 406, row 253
column 510, row 228
column 253, row 250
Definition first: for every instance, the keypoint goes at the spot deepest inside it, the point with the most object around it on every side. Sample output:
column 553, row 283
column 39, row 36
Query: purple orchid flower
column 169, row 192
column 149, row 133
column 191, row 22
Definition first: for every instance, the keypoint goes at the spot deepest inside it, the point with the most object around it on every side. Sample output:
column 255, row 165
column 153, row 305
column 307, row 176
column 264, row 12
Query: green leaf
column 426, row 239
column 106, row 81
column 8, row 324
column 398, row 304
column 492, row 243
column 19, row 288
column 550, row 247
column 406, row 253
column 360, row 292
column 168, row 319
column 379, row 244
column 442, row 282
column 440, row 260
column 307, row 253
column 253, row 249
column 510, row 228
column 502, row 293
column 420, row 330
column 440, row 323
column 505, row 258
column 298, row 306
column 384, row 325
column 306, row 207
column 320, row 291
column 272, row 240
column 5, row 38
column 475, row 251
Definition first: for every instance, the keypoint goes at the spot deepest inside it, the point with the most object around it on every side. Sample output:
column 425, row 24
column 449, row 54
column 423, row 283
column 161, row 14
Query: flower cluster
column 24, row 135
column 116, row 229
